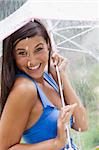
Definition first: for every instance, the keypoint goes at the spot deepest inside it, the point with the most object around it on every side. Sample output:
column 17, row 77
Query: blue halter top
column 46, row 126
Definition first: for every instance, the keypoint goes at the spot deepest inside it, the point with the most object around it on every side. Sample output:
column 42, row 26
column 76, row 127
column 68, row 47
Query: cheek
column 21, row 62
column 44, row 57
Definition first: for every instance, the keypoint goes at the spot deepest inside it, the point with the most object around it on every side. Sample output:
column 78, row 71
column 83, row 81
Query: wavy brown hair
column 9, row 68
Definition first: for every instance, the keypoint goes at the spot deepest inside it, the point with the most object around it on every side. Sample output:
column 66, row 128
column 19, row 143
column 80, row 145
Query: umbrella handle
column 63, row 104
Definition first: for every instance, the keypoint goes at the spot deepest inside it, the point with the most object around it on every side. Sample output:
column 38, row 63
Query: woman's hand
column 63, row 120
column 61, row 62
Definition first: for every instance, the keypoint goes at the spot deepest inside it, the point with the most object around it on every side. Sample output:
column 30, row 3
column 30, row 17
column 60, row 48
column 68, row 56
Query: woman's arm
column 79, row 114
column 16, row 114
column 15, row 117
column 52, row 144
column 46, row 145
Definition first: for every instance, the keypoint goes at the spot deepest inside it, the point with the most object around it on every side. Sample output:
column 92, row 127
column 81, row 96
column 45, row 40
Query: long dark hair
column 9, row 67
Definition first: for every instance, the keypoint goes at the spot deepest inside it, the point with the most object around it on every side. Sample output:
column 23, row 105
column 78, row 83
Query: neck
column 40, row 80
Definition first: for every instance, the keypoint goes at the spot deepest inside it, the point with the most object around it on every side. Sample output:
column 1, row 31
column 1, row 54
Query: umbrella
column 61, row 10
column 55, row 14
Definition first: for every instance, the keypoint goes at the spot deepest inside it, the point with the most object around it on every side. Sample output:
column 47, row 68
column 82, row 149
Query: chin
column 35, row 76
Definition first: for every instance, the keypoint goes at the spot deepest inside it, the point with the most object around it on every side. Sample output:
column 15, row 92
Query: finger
column 55, row 54
column 73, row 106
column 68, row 108
column 57, row 59
column 64, row 110
column 66, row 115
column 66, row 119
column 60, row 61
column 63, row 64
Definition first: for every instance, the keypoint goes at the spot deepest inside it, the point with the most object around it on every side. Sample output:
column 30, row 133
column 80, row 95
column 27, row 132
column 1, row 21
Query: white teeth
column 33, row 68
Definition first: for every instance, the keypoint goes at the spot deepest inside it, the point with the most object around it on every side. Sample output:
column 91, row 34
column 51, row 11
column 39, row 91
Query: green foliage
column 94, row 75
column 91, row 138
column 86, row 94
column 85, row 88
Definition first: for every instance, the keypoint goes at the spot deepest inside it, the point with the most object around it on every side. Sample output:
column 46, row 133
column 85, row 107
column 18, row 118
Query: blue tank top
column 46, row 126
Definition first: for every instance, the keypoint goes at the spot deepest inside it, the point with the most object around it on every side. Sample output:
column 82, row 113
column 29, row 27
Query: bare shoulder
column 24, row 83
column 23, row 94
column 25, row 88
column 16, row 112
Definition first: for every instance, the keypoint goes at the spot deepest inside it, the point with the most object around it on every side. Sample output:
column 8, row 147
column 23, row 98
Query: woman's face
column 31, row 56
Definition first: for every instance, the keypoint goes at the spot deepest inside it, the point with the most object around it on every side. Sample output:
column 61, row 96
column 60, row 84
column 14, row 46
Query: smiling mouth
column 35, row 67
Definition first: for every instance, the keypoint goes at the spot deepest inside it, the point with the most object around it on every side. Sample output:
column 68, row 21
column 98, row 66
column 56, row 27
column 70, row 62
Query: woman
column 31, row 104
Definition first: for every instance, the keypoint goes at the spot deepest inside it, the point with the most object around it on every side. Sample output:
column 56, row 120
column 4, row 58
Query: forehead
column 31, row 41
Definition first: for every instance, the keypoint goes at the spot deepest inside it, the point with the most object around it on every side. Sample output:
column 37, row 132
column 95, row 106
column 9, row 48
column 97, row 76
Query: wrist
column 57, row 144
column 62, row 73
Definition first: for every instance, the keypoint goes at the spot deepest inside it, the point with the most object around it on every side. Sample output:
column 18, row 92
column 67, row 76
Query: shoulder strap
column 51, row 81
column 43, row 98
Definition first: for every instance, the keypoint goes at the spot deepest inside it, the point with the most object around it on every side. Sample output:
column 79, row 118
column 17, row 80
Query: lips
column 35, row 67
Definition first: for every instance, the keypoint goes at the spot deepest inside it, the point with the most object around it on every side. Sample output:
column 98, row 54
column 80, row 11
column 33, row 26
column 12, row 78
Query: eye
column 22, row 53
column 39, row 49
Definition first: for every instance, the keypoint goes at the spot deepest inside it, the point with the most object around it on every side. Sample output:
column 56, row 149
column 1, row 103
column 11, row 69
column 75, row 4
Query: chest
column 53, row 97
column 37, row 109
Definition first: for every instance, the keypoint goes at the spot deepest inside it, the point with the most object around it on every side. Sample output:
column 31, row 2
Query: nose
column 31, row 59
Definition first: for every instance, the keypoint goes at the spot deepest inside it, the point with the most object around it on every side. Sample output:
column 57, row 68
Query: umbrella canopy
column 61, row 10
column 74, row 29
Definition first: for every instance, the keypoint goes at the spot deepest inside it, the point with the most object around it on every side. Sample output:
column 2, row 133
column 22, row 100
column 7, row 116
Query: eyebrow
column 34, row 47
column 38, row 45
column 20, row 49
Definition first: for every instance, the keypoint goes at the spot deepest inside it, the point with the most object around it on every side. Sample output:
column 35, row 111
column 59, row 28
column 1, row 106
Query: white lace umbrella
column 61, row 10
